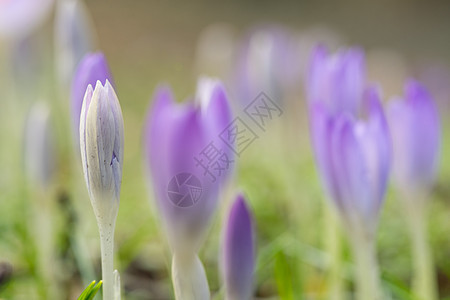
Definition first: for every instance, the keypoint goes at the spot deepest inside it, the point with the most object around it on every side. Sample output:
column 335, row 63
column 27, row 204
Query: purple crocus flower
column 338, row 80
column 353, row 158
column 176, row 135
column 415, row 128
column 238, row 252
column 92, row 68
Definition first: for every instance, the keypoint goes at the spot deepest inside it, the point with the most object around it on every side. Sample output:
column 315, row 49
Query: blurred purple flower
column 415, row 129
column 337, row 80
column 353, row 158
column 18, row 18
column 92, row 68
column 174, row 135
column 238, row 252
column 267, row 62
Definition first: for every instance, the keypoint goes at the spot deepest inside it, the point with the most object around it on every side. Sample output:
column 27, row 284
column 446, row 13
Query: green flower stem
column 333, row 244
column 117, row 293
column 367, row 279
column 189, row 278
column 424, row 280
column 107, row 251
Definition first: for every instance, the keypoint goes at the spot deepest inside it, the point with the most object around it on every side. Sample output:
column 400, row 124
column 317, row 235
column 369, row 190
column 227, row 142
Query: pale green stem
column 107, row 251
column 189, row 278
column 366, row 275
column 43, row 239
column 116, row 285
column 424, row 280
column 333, row 245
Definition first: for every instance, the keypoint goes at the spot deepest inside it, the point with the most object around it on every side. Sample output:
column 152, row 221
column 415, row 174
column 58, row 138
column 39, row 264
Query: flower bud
column 238, row 252
column 415, row 129
column 353, row 158
column 101, row 145
column 187, row 189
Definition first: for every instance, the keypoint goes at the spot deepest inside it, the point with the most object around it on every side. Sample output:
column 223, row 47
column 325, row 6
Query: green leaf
column 90, row 292
column 283, row 276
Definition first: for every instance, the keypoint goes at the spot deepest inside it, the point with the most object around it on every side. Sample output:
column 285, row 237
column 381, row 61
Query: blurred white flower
column 18, row 18
column 39, row 151
column 74, row 37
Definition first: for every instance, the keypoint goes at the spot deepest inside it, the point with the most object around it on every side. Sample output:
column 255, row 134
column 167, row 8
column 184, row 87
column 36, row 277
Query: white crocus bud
column 101, row 143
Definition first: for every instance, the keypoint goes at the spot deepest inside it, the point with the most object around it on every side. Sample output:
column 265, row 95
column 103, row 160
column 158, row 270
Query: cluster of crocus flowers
column 186, row 196
column 415, row 130
column 101, row 145
column 352, row 146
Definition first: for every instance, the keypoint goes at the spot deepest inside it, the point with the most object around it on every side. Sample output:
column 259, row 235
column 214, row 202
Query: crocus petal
column 350, row 80
column 415, row 127
column 315, row 69
column 337, row 80
column 377, row 144
column 320, row 129
column 238, row 252
column 83, row 118
column 341, row 142
column 217, row 112
column 214, row 105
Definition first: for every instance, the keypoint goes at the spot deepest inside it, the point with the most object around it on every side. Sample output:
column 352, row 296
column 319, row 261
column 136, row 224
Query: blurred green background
column 153, row 42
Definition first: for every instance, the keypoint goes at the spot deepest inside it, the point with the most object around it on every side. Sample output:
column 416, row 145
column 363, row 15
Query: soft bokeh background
column 153, row 42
